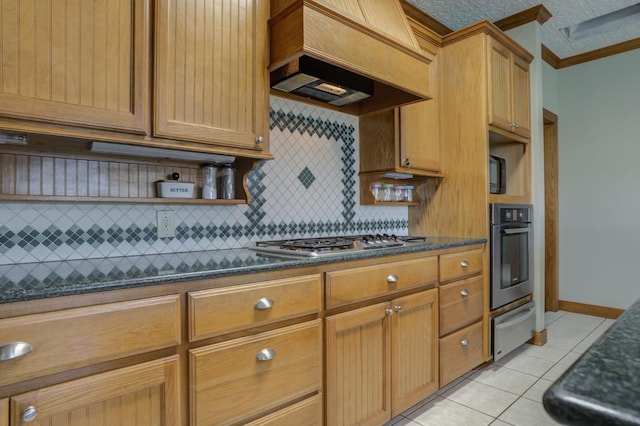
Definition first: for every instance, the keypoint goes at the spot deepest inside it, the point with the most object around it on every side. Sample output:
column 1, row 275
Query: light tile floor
column 509, row 391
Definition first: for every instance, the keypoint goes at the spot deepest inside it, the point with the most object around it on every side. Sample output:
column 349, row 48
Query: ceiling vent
column 604, row 23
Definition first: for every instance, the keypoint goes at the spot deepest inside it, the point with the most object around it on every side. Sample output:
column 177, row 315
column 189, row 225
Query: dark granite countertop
column 29, row 281
column 603, row 386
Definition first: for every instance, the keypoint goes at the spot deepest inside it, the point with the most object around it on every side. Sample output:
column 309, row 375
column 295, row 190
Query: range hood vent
column 357, row 54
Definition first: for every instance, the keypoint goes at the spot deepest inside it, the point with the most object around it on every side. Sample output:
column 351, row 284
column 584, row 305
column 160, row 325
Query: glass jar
column 398, row 193
column 408, row 193
column 226, row 181
column 376, row 189
column 387, row 192
column 209, row 181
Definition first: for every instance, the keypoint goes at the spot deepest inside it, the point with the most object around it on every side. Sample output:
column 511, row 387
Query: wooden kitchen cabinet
column 240, row 379
column 381, row 359
column 109, row 331
column 404, row 140
column 509, row 98
column 262, row 375
column 144, row 394
column 4, row 411
column 211, row 80
column 461, row 310
column 77, row 63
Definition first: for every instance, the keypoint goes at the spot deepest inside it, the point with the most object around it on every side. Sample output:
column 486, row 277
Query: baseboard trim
column 539, row 338
column 583, row 308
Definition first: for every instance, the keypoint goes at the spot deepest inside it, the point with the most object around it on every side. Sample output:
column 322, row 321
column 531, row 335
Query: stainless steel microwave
column 497, row 175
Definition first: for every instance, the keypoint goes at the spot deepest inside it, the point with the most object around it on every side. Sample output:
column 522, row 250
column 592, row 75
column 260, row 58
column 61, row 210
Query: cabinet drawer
column 456, row 265
column 219, row 311
column 456, row 358
column 307, row 412
column 354, row 284
column 79, row 337
column 460, row 304
column 229, row 383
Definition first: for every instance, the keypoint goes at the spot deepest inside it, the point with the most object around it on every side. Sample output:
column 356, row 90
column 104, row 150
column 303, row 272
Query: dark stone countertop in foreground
column 603, row 386
column 30, row 281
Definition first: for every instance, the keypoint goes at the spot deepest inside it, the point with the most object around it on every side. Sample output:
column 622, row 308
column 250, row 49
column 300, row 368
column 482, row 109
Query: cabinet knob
column 267, row 354
column 29, row 414
column 392, row 279
column 464, row 263
column 13, row 350
column 464, row 293
column 259, row 139
column 388, row 311
column 406, row 162
column 265, row 303
column 464, row 342
column 398, row 308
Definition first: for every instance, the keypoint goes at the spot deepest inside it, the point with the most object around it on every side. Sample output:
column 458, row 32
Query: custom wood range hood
column 360, row 55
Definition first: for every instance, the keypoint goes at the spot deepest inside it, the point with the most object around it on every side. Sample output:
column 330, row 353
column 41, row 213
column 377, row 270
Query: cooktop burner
column 322, row 246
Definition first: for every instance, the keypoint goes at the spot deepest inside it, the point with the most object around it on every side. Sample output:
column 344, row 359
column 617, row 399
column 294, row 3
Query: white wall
column 549, row 87
column 599, row 181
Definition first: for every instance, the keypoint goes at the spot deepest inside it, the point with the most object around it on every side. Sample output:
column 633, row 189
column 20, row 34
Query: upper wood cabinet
column 82, row 63
column 211, row 80
column 509, row 98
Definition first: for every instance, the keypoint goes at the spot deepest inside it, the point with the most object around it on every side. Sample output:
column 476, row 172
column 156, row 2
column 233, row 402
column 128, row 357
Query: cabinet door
column 211, row 81
column 145, row 394
column 420, row 136
column 414, row 343
column 4, row 412
column 521, row 97
column 500, row 81
column 358, row 367
column 83, row 63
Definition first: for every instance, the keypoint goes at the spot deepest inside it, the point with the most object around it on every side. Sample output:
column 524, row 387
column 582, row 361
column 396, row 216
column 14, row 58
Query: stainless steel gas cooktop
column 334, row 245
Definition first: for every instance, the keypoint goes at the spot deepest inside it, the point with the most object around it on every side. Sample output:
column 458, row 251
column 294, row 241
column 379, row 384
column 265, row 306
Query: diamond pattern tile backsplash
column 310, row 189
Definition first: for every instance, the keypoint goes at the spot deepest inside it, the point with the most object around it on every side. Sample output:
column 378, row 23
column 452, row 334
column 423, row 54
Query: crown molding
column 539, row 14
column 424, row 19
column 549, row 57
column 614, row 49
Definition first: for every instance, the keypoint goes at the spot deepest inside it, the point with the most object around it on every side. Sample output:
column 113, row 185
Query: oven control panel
column 511, row 213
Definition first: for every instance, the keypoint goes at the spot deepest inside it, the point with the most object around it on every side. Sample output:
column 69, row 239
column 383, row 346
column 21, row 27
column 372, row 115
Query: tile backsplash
column 310, row 189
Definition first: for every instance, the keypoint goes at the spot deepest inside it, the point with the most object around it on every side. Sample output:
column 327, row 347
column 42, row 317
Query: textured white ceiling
column 458, row 14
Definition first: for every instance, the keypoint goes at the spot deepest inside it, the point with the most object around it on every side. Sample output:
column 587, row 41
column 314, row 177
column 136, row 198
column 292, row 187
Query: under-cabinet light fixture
column 604, row 23
column 145, row 151
column 12, row 139
column 395, row 175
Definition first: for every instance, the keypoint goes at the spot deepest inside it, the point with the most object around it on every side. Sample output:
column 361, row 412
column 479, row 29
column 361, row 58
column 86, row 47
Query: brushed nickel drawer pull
column 13, row 350
column 392, row 279
column 388, row 312
column 398, row 308
column 29, row 414
column 265, row 303
column 464, row 293
column 259, row 139
column 464, row 263
column 267, row 354
column 464, row 342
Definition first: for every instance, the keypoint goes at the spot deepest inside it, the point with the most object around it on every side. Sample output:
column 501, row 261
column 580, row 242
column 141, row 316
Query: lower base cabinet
column 4, row 412
column 244, row 379
column 141, row 395
column 381, row 359
column 460, row 352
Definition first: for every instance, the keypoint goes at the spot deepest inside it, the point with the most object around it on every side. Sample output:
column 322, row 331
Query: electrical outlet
column 166, row 224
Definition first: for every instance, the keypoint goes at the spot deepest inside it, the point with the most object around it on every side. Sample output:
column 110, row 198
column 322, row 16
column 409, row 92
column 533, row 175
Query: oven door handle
column 517, row 319
column 515, row 230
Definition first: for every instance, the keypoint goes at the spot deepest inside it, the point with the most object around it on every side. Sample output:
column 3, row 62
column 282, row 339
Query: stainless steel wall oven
column 511, row 253
column 511, row 278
